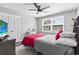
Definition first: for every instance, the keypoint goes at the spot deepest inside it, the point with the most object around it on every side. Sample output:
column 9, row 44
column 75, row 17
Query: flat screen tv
column 3, row 28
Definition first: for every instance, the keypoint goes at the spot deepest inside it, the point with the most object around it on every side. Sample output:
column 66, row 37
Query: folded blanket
column 29, row 40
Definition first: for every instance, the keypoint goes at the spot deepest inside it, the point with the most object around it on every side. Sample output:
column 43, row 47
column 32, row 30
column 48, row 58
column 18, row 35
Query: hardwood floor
column 21, row 50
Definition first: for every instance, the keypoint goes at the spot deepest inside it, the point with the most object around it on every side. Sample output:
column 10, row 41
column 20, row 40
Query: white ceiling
column 54, row 8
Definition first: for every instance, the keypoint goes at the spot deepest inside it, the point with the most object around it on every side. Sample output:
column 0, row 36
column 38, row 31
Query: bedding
column 50, row 39
column 67, row 35
column 53, row 49
column 67, row 42
column 29, row 39
column 49, row 46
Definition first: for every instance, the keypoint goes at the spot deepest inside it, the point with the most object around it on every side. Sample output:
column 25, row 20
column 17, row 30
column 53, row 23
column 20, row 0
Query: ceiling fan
column 39, row 9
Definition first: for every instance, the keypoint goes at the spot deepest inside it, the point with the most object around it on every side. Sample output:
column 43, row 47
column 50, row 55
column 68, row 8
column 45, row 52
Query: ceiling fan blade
column 36, row 5
column 45, row 7
column 32, row 9
column 46, row 11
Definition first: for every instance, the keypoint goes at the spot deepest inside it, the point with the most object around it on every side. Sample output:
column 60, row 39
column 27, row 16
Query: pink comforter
column 29, row 40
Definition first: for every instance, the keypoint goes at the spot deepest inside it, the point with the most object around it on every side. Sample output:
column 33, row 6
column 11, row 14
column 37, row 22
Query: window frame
column 51, row 25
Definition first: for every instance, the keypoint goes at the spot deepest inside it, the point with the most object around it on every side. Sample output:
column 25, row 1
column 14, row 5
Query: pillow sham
column 67, row 35
column 67, row 42
column 57, row 36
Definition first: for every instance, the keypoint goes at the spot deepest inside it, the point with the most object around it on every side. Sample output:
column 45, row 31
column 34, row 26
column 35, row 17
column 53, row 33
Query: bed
column 48, row 45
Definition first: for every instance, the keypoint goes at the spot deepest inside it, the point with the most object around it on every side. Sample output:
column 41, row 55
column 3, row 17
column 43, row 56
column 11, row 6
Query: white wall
column 77, row 11
column 27, row 22
column 69, row 23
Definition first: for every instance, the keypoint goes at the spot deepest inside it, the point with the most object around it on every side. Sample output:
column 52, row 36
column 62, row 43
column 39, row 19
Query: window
column 53, row 24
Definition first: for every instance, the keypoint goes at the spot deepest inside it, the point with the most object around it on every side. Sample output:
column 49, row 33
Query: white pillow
column 67, row 42
column 67, row 35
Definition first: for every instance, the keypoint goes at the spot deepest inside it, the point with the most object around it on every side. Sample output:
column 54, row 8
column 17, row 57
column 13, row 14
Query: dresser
column 7, row 47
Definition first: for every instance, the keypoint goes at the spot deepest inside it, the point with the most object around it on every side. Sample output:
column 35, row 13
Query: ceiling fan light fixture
column 39, row 9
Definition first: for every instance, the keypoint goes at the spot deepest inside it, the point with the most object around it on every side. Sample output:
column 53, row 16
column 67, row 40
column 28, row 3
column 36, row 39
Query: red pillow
column 58, row 34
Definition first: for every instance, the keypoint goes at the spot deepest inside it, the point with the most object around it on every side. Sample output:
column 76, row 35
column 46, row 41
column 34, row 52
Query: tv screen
column 3, row 28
